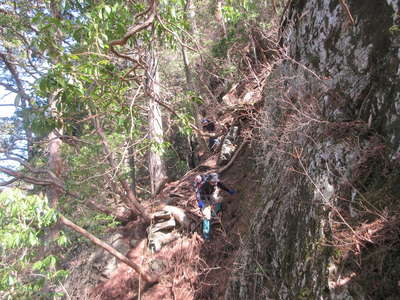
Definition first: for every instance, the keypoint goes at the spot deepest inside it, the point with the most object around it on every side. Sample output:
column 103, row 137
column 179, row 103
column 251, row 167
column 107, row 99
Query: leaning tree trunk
column 158, row 174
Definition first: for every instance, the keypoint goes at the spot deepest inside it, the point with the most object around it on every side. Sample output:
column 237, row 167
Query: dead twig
column 228, row 165
column 347, row 10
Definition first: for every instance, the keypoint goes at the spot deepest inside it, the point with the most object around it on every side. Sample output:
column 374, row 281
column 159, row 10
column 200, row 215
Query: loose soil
column 190, row 267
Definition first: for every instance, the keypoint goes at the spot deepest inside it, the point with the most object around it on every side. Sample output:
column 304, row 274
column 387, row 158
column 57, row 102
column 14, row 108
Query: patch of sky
column 7, row 107
column 7, row 110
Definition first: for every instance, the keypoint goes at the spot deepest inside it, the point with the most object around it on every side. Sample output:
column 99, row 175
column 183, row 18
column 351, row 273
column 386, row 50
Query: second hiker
column 208, row 198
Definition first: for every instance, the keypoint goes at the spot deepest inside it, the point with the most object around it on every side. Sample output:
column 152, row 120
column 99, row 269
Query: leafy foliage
column 23, row 221
column 61, row 50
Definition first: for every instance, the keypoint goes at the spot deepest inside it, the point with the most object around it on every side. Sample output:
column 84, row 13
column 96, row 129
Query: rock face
column 327, row 228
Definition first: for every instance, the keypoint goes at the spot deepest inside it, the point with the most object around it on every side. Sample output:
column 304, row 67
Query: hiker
column 209, row 127
column 208, row 199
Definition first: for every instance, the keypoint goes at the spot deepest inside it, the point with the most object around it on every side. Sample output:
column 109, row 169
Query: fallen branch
column 228, row 165
column 148, row 277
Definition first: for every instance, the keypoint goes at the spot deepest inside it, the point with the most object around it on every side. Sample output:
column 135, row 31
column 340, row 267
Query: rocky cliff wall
column 328, row 226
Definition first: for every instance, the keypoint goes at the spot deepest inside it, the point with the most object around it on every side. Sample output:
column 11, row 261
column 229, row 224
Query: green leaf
column 107, row 9
column 33, row 240
column 44, row 264
column 37, row 265
column 60, row 274
column 11, row 280
column 43, row 84
column 62, row 240
column 74, row 57
column 100, row 42
column 104, row 37
column 115, row 7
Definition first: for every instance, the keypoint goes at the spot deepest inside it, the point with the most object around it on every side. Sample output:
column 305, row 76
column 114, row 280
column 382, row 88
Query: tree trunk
column 190, row 13
column 158, row 174
column 132, row 166
column 148, row 277
column 56, row 166
column 55, row 162
column 188, row 73
column 219, row 16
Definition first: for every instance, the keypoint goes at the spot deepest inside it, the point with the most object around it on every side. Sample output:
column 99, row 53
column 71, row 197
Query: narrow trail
column 190, row 268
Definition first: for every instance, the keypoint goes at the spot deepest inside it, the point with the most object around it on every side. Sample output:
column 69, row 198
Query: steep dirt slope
column 191, row 268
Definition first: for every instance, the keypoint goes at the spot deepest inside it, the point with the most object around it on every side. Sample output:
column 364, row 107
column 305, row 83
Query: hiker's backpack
column 199, row 180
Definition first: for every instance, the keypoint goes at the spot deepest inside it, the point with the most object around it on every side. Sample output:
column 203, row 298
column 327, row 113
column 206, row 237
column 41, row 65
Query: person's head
column 213, row 178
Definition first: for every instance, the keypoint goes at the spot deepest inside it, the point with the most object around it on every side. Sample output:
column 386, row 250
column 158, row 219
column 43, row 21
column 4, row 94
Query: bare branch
column 6, row 183
column 11, row 68
column 146, row 276
column 9, row 87
column 138, row 27
column 227, row 166
column 130, row 197
column 175, row 35
column 21, row 176
column 347, row 10
column 134, row 30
